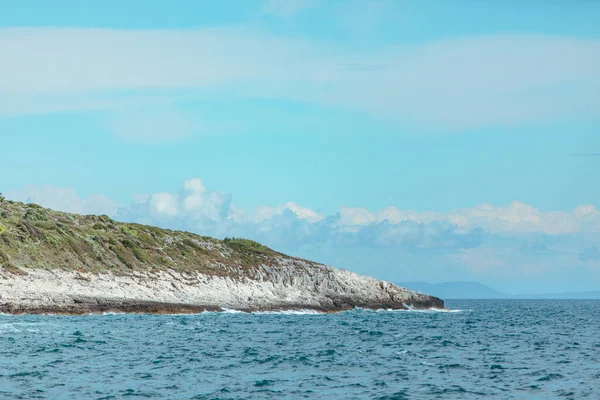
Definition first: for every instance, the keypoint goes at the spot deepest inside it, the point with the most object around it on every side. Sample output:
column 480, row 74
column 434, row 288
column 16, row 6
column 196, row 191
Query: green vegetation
column 36, row 237
column 247, row 245
column 128, row 230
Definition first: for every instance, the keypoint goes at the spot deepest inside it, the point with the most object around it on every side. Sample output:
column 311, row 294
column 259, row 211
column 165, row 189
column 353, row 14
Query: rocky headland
column 59, row 263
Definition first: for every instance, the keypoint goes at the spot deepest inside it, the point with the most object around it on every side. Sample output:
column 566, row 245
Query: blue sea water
column 530, row 349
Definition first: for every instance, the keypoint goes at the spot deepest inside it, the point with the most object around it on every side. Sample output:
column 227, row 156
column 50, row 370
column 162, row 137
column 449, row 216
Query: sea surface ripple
column 493, row 349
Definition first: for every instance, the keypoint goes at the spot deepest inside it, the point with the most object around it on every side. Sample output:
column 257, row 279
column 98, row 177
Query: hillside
column 64, row 263
column 35, row 237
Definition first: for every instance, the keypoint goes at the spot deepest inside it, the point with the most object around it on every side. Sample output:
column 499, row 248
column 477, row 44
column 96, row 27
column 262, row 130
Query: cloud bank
column 489, row 243
column 457, row 83
column 198, row 209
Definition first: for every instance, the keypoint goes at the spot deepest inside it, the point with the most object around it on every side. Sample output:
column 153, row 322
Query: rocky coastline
column 57, row 263
column 324, row 289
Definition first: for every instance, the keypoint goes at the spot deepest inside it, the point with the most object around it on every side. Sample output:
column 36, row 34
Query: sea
column 480, row 349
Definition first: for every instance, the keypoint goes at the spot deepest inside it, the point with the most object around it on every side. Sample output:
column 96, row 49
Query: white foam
column 271, row 312
column 227, row 311
column 289, row 312
column 417, row 310
column 436, row 310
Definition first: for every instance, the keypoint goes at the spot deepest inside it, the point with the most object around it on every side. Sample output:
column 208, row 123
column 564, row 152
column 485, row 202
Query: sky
column 408, row 140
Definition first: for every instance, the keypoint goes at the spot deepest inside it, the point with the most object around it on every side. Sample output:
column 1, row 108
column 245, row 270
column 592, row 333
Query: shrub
column 127, row 230
column 51, row 239
column 247, row 245
column 3, row 230
column 35, row 213
column 123, row 255
column 140, row 254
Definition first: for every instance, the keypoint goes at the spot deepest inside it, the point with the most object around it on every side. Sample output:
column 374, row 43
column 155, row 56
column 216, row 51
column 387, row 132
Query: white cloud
column 72, row 60
column 195, row 207
column 458, row 83
column 263, row 213
column 525, row 218
column 350, row 216
column 163, row 205
column 194, row 186
column 303, row 213
column 197, row 202
column 189, row 209
column 516, row 217
column 18, row 104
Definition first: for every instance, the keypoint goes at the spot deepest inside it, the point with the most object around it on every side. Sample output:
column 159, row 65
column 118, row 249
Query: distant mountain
column 456, row 290
column 590, row 294
column 475, row 290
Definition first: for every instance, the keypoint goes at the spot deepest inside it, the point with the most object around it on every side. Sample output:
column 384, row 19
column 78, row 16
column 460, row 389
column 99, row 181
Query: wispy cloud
column 458, row 83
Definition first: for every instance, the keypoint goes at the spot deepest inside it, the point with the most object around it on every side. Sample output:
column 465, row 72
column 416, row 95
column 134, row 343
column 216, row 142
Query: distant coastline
column 475, row 290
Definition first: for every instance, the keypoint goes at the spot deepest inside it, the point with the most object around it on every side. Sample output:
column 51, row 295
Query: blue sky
column 409, row 140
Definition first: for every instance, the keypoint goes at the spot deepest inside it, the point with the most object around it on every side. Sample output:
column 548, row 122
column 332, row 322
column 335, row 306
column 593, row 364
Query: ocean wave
column 436, row 310
column 355, row 354
column 411, row 310
column 269, row 312
column 315, row 312
column 290, row 312
column 226, row 311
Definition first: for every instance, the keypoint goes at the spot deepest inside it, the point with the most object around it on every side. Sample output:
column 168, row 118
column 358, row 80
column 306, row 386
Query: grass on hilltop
column 35, row 237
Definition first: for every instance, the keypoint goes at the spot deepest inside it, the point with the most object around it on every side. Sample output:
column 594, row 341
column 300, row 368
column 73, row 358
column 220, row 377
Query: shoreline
column 138, row 308
column 93, row 306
